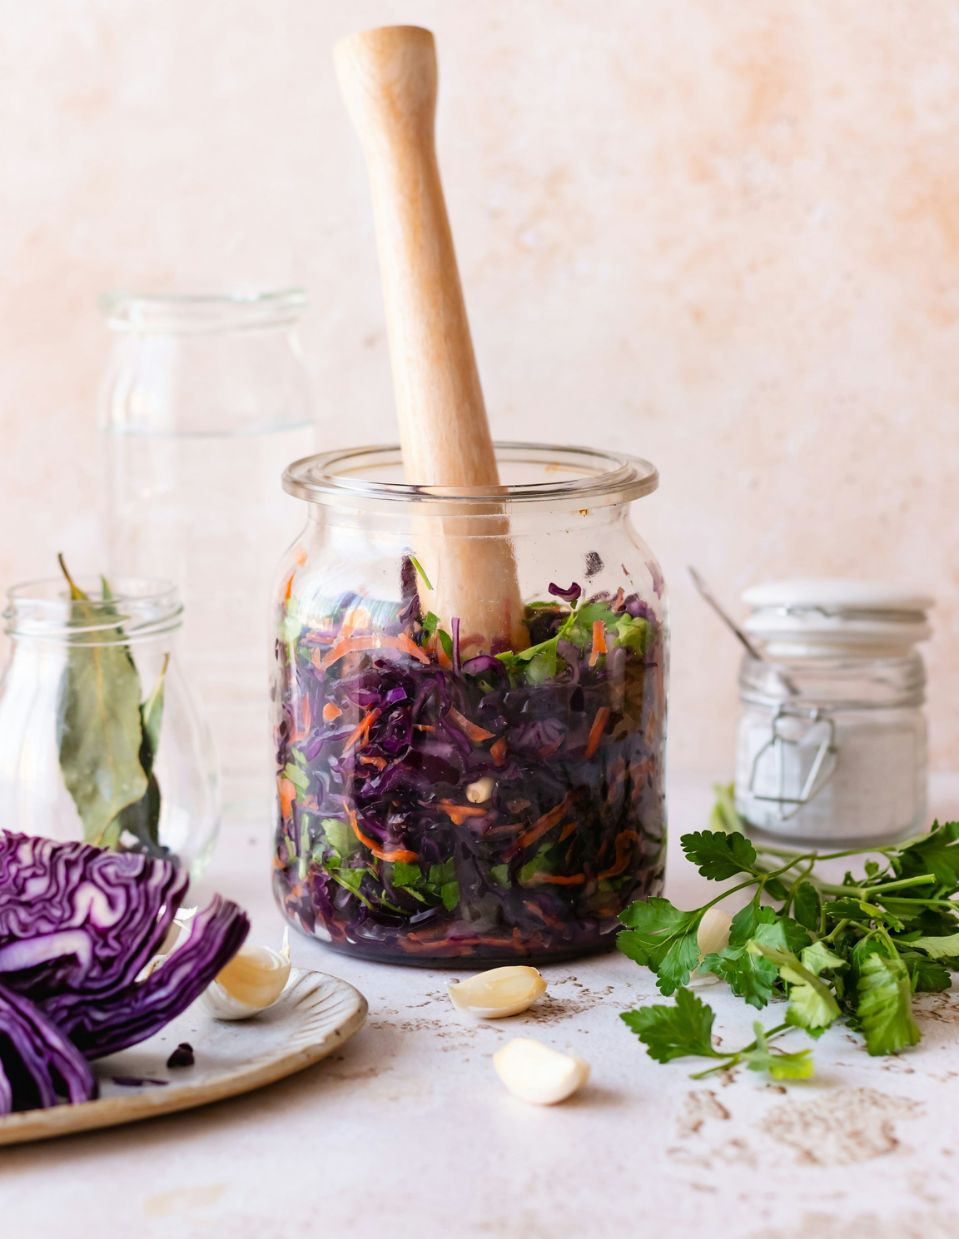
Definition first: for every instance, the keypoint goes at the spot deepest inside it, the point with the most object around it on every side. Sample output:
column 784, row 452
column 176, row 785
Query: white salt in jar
column 831, row 745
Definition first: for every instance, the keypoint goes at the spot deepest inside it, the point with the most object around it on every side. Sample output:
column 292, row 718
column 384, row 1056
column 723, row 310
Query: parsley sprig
column 857, row 950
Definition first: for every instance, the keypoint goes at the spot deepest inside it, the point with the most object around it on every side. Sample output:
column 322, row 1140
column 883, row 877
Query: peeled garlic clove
column 537, row 1074
column 498, row 992
column 251, row 982
column 713, row 932
column 480, row 791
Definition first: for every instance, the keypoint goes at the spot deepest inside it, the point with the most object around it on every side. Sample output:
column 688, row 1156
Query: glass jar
column 832, row 733
column 439, row 801
column 100, row 739
column 205, row 401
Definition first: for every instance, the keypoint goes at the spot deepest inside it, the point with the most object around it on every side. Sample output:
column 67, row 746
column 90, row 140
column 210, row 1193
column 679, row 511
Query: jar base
column 472, row 963
column 814, row 843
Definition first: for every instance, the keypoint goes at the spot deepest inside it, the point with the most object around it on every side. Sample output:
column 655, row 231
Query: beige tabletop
column 408, row 1132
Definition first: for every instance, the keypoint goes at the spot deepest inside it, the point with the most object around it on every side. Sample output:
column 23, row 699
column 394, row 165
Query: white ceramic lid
column 807, row 616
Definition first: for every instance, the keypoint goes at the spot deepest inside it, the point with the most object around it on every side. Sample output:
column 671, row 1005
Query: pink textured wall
column 722, row 235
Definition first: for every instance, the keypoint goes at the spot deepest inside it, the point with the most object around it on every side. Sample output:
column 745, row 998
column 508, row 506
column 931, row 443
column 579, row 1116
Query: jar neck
column 529, row 520
column 138, row 611
column 834, row 681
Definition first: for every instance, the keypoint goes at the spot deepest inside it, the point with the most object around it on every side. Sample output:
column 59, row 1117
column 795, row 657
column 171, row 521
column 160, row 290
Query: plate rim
column 28, row 1126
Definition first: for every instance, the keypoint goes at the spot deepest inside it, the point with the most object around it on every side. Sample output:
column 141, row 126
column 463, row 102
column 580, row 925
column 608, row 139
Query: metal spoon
column 708, row 597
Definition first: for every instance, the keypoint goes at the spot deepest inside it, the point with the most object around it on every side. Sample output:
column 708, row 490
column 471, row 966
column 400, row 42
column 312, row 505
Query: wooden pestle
column 388, row 78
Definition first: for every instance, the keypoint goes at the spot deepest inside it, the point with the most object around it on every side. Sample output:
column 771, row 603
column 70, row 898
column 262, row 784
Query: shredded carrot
column 458, row 813
column 331, row 712
column 356, row 618
column 370, row 759
column 542, row 825
column 287, row 794
column 599, row 642
column 498, row 751
column 557, row 879
column 361, row 731
column 288, row 591
column 372, row 641
column 567, row 830
column 400, row 855
column 596, row 731
column 472, row 730
column 624, row 841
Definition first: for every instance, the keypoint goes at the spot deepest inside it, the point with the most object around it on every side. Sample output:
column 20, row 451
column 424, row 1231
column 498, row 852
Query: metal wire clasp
column 773, row 754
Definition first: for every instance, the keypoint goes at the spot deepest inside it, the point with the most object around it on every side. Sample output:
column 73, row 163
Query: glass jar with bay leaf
column 100, row 738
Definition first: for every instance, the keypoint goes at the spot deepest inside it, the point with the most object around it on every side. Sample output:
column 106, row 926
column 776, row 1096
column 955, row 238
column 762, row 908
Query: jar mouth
column 200, row 313
column 535, row 473
column 138, row 608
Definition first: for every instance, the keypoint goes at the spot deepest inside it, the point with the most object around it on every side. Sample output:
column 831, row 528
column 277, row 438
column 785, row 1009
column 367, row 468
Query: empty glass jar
column 442, row 796
column 100, row 738
column 832, row 732
column 206, row 399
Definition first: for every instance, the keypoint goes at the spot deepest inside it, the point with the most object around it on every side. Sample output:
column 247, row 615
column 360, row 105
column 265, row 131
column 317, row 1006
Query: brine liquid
column 209, row 513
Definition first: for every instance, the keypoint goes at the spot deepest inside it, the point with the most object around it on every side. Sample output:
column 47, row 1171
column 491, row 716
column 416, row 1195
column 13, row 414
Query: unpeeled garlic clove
column 713, row 932
column 498, row 992
column 537, row 1074
column 251, row 982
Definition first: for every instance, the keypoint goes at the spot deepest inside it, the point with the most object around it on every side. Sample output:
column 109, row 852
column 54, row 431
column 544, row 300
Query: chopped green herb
column 857, row 950
column 420, row 571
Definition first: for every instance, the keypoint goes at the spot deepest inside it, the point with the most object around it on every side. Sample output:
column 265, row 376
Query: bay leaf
column 99, row 723
column 142, row 819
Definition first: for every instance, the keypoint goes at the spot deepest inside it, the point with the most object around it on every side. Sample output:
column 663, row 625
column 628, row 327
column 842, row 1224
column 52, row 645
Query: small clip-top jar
column 832, row 734
column 442, row 798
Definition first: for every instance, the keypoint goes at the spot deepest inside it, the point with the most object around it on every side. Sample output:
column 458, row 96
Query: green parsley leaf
column 719, row 855
column 938, row 948
column 817, row 959
column 779, row 1064
column 928, row 976
column 936, row 853
column 339, row 836
column 663, row 938
column 812, row 1004
column 884, row 1009
column 807, row 906
column 678, row 1031
column 747, row 974
column 406, row 875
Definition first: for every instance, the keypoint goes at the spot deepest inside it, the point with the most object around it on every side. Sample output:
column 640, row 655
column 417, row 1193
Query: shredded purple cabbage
column 498, row 805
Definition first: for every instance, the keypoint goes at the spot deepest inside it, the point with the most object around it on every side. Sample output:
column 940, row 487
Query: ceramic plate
column 316, row 1015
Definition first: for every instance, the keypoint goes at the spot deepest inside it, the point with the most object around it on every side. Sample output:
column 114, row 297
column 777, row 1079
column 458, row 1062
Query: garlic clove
column 537, row 1074
column 480, row 791
column 498, row 992
column 251, row 982
column 713, row 932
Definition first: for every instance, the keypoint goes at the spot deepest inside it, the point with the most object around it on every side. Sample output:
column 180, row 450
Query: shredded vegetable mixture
column 434, row 806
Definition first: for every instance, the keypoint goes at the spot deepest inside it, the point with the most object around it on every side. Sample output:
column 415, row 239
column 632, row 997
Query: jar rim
column 138, row 608
column 197, row 313
column 601, row 477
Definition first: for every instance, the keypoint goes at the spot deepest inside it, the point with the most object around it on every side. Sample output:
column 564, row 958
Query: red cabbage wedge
column 77, row 927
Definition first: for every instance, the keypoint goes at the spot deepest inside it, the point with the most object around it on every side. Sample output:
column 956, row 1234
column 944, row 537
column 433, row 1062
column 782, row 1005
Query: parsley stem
column 865, row 892
column 731, row 1058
